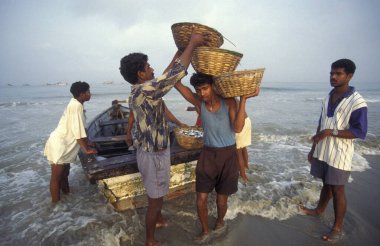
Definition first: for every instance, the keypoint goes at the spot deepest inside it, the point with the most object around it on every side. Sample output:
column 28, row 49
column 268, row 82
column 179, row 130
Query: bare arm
column 347, row 134
column 237, row 113
column 84, row 146
column 185, row 57
column 128, row 130
column 176, row 55
column 170, row 117
column 195, row 41
column 188, row 95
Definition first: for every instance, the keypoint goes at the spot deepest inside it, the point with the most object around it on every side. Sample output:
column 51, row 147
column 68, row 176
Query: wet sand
column 361, row 226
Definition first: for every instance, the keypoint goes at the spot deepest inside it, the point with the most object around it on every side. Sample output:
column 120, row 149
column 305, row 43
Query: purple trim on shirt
column 331, row 107
column 358, row 119
column 358, row 122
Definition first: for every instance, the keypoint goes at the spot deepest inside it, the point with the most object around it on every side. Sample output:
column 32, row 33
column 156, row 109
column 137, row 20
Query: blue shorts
column 329, row 175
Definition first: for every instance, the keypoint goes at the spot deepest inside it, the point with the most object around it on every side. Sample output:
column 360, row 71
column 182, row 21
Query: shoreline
column 361, row 224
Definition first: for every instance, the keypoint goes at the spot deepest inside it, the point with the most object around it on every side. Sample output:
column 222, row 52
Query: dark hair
column 198, row 79
column 347, row 64
column 79, row 87
column 131, row 64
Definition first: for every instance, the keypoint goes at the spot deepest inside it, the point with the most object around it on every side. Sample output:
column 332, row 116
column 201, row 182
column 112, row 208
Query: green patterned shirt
column 147, row 106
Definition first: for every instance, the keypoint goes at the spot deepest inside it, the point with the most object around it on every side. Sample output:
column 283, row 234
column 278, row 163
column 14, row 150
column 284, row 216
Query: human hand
column 321, row 135
column 91, row 151
column 253, row 94
column 199, row 39
column 128, row 140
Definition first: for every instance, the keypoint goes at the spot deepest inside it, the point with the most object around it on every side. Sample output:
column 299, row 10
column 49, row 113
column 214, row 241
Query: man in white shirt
column 343, row 118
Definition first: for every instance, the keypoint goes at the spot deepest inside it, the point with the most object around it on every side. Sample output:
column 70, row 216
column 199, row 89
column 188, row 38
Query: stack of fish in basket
column 220, row 63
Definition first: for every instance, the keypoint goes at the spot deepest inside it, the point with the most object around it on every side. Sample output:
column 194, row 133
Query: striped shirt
column 145, row 101
column 348, row 113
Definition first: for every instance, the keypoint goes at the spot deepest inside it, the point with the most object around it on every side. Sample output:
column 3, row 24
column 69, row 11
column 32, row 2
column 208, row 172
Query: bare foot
column 219, row 226
column 308, row 211
column 162, row 223
column 153, row 243
column 333, row 235
column 202, row 238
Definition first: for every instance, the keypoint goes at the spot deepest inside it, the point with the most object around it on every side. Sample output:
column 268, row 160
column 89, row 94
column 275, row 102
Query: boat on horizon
column 57, row 84
column 110, row 82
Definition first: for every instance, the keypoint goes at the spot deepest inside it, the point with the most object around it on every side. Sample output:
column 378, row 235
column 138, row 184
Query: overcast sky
column 295, row 40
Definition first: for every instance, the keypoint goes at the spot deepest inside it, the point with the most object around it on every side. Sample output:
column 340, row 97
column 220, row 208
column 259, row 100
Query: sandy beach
column 361, row 226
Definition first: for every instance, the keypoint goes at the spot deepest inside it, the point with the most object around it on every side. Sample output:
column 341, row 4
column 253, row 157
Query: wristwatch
column 335, row 132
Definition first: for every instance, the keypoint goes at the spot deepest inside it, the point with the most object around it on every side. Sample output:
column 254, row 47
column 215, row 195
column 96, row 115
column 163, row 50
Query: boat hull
column 115, row 170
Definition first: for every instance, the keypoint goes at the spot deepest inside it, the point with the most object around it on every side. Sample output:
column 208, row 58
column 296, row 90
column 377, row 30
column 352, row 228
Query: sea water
column 284, row 117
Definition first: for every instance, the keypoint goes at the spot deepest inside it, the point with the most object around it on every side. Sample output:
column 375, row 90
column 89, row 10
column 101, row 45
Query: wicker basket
column 238, row 83
column 182, row 33
column 214, row 61
column 188, row 142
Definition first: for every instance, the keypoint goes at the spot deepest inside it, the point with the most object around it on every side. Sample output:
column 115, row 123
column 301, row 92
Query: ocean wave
column 370, row 146
column 372, row 100
column 18, row 103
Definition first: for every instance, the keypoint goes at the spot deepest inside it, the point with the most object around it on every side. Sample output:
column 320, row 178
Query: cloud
column 292, row 39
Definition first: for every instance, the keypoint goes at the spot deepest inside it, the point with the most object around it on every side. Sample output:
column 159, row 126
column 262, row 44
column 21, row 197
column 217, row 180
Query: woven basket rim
column 188, row 142
column 240, row 72
column 220, row 50
column 189, row 127
column 194, row 23
column 238, row 83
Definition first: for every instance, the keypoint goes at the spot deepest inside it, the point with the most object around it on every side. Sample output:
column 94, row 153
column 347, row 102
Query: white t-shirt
column 62, row 146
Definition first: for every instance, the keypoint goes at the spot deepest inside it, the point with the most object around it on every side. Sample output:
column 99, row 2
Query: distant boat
column 10, row 85
column 26, row 85
column 108, row 82
column 57, row 84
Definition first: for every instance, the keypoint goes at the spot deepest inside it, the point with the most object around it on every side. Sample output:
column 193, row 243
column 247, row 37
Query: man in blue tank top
column 217, row 167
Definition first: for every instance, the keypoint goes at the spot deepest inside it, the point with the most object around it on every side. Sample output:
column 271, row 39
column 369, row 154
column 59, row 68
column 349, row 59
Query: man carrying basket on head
column 217, row 167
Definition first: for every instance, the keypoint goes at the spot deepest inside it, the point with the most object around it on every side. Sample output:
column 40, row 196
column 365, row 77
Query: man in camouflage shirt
column 148, row 108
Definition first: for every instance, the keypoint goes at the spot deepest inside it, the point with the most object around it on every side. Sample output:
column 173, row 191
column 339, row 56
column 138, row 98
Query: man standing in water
column 148, row 108
column 218, row 166
column 343, row 118
column 64, row 142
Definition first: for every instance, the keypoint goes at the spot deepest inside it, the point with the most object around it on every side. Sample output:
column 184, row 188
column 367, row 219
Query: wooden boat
column 115, row 170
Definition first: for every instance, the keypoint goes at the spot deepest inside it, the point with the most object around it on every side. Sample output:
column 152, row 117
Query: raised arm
column 195, row 41
column 170, row 117
column 237, row 112
column 128, row 130
column 188, row 95
column 159, row 87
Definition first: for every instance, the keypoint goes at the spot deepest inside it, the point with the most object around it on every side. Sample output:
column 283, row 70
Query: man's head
column 341, row 72
column 348, row 65
column 203, row 85
column 135, row 68
column 81, row 90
